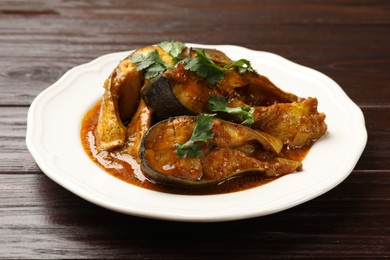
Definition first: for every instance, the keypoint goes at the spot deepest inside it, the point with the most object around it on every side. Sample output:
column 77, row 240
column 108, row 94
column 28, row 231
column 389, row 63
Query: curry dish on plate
column 192, row 121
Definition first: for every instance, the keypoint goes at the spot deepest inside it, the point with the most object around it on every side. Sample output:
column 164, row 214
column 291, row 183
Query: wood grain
column 55, row 36
column 47, row 220
column 347, row 40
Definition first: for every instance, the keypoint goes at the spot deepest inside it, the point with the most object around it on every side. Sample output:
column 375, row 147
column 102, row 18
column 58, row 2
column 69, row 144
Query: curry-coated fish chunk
column 120, row 100
column 297, row 124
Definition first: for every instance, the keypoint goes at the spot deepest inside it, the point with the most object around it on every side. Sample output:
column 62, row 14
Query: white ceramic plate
column 53, row 138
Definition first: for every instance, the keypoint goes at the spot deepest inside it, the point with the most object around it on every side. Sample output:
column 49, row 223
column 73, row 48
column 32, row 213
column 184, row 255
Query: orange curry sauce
column 124, row 167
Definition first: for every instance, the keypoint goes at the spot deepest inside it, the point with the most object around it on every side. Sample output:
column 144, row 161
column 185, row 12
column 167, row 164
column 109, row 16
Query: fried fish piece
column 137, row 128
column 120, row 100
column 222, row 156
column 297, row 124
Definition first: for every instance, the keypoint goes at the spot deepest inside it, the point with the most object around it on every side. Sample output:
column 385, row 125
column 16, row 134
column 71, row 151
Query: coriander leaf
column 212, row 72
column 143, row 62
column 242, row 65
column 188, row 151
column 220, row 104
column 201, row 133
column 205, row 68
column 174, row 48
column 204, row 123
column 217, row 104
column 247, row 116
column 137, row 58
column 154, row 70
column 151, row 63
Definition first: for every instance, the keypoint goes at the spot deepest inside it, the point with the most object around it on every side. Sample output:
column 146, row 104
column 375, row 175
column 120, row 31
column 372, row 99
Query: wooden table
column 347, row 40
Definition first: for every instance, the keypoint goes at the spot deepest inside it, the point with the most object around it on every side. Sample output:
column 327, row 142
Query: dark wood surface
column 349, row 40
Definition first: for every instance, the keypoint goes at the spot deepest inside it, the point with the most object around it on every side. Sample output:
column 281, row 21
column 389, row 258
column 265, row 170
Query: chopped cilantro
column 220, row 104
column 151, row 63
column 174, row 48
column 205, row 68
column 201, row 133
column 212, row 72
column 243, row 66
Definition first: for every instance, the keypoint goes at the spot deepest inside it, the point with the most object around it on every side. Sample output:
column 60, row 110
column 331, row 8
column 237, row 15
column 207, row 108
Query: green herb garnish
column 220, row 104
column 243, row 66
column 174, row 48
column 201, row 133
column 205, row 68
column 212, row 72
column 151, row 63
